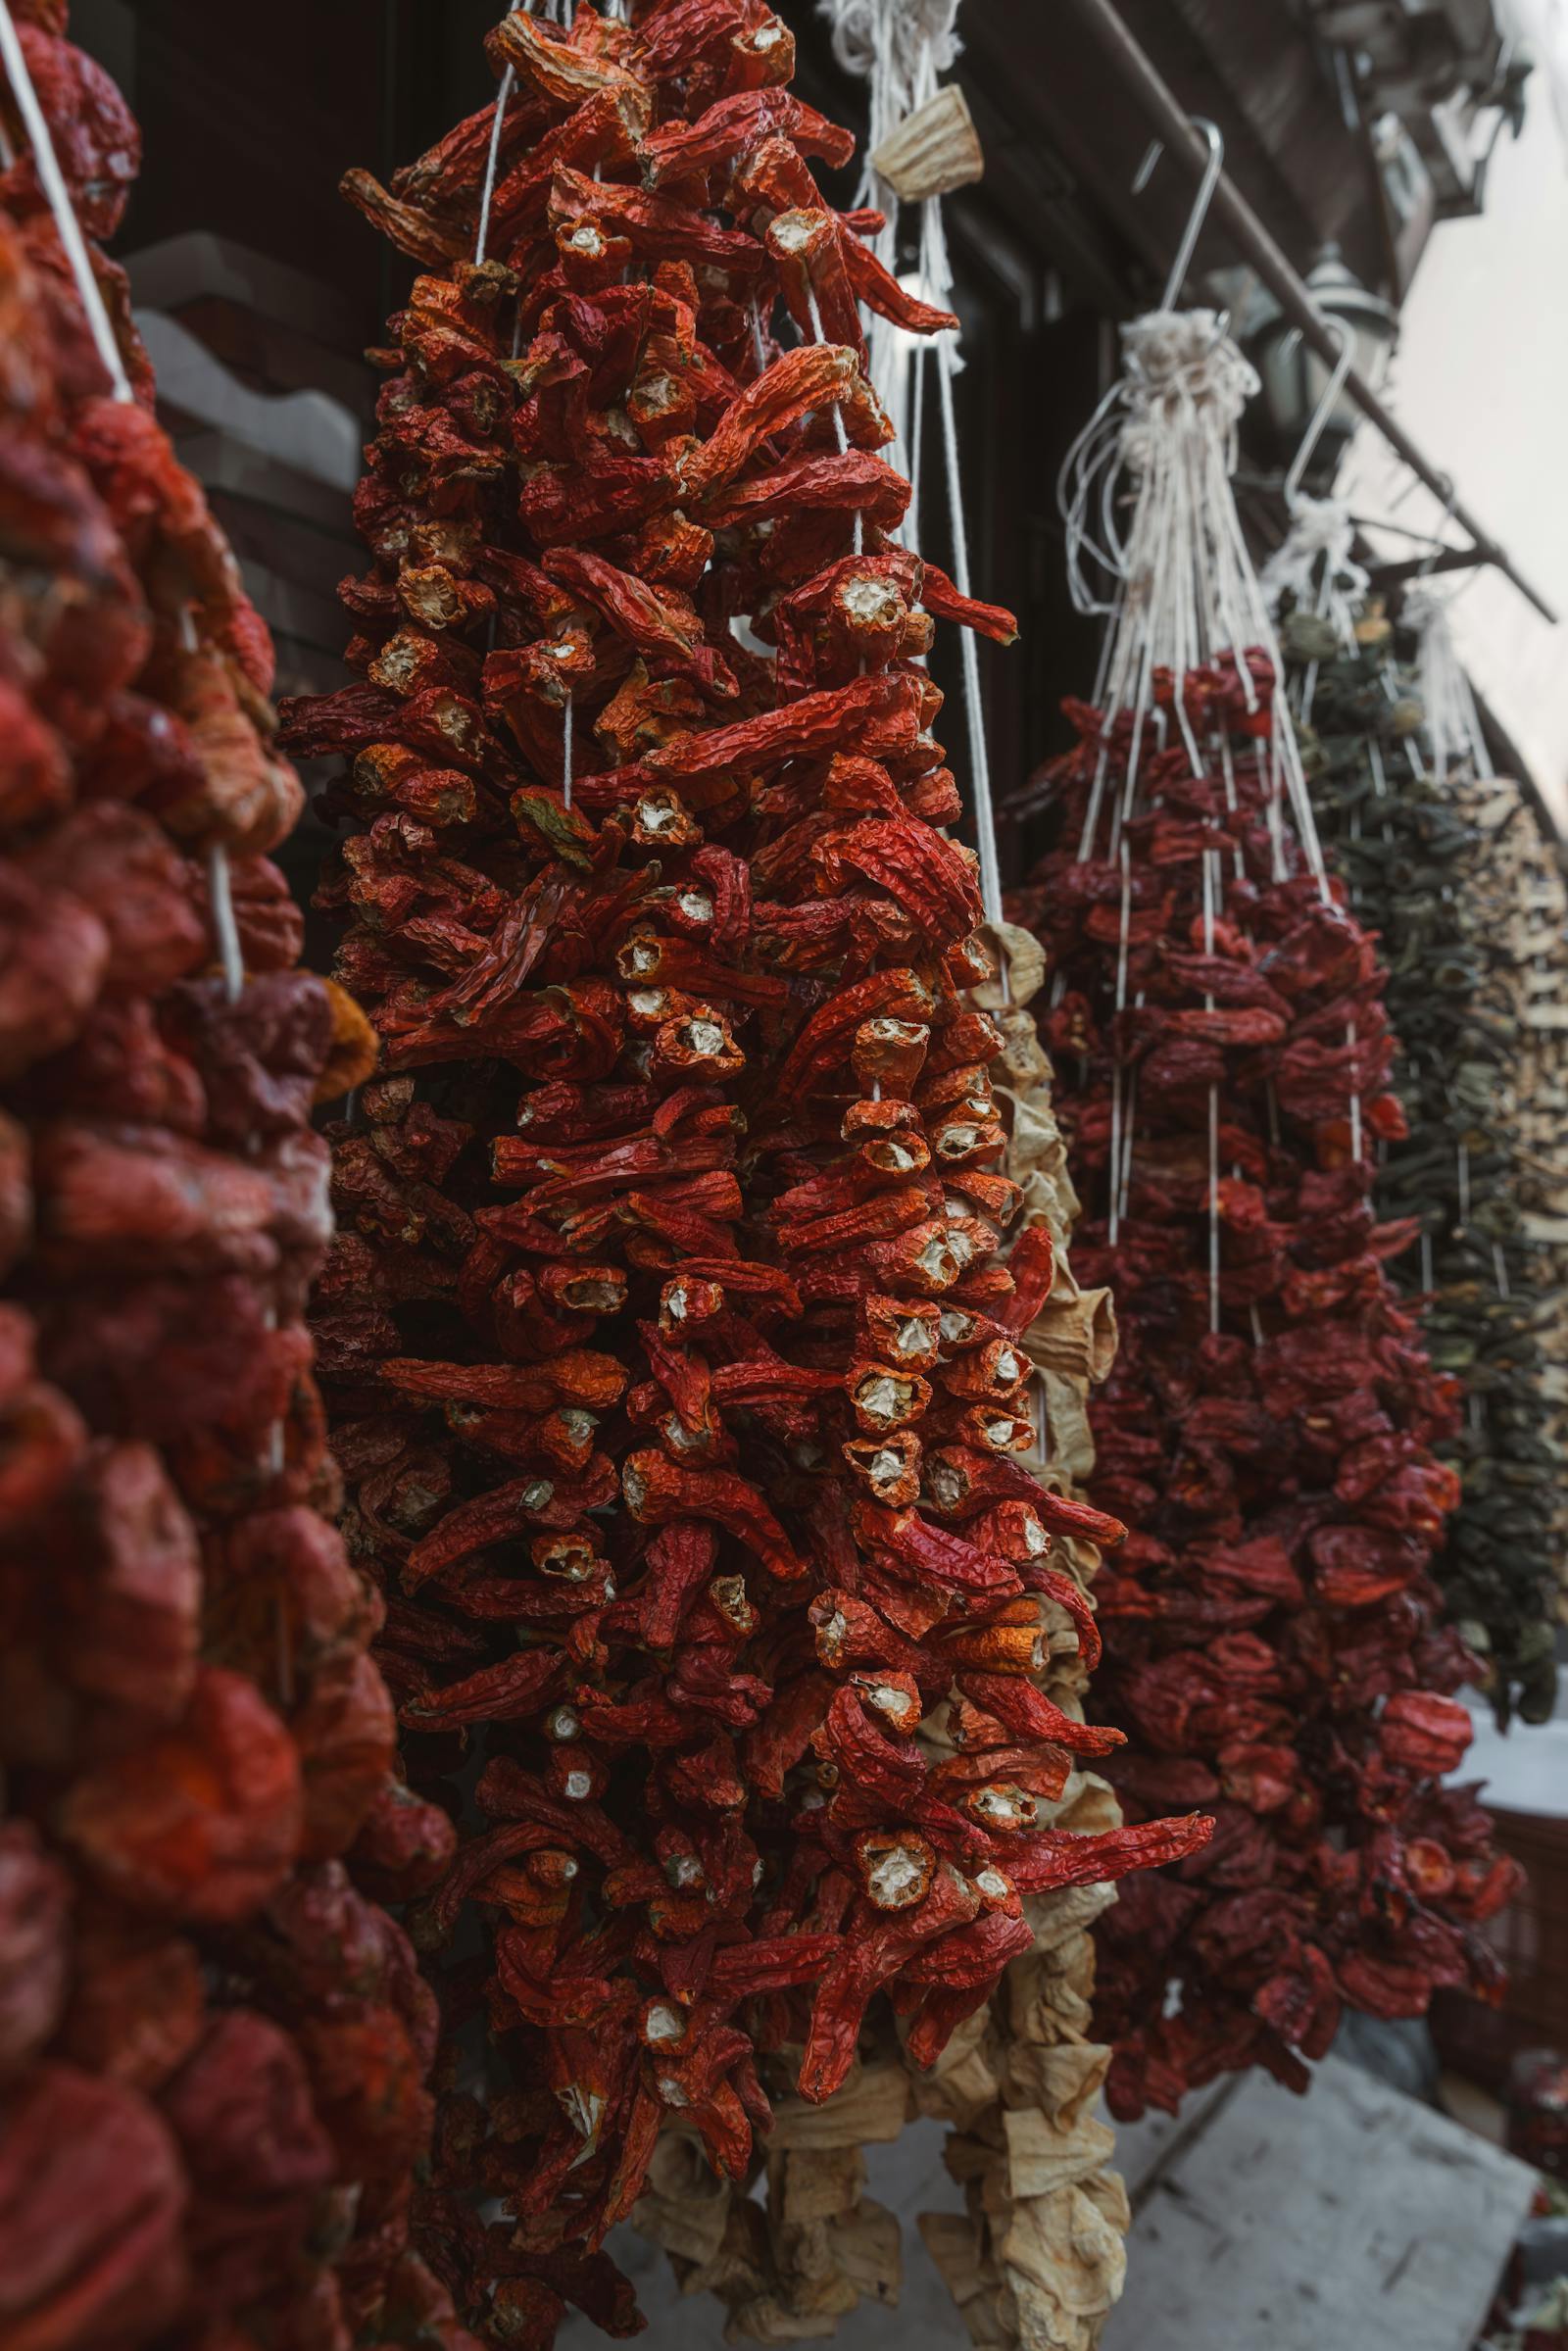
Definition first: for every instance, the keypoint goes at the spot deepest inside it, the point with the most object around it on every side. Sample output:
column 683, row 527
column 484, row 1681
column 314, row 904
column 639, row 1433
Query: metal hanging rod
column 1253, row 240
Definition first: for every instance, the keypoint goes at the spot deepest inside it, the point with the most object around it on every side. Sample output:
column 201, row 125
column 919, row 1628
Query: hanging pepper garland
column 1418, row 847
column 1223, row 1060
column 675, row 1372
column 1040, row 2258
column 212, row 2044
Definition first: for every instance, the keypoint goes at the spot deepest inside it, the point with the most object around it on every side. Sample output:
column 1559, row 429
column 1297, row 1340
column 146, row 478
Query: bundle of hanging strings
column 1273, row 1640
column 902, row 48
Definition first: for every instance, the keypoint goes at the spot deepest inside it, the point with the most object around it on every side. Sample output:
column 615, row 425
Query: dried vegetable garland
column 1419, row 851
column 213, row 2041
column 1039, row 2260
column 1522, row 891
column 1223, row 1060
column 1529, row 901
column 674, row 1367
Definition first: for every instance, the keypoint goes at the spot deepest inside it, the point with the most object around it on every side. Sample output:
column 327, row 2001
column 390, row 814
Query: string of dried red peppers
column 213, row 2044
column 675, row 1372
column 1274, row 1647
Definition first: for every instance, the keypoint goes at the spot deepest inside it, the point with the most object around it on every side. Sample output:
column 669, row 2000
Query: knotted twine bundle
column 1184, row 590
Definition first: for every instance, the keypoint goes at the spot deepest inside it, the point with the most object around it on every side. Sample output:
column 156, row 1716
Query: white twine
column 884, row 42
column 1123, row 944
column 840, row 428
column 1211, row 888
column 984, row 814
column 225, row 930
column 1455, row 736
column 566, row 753
column 509, row 81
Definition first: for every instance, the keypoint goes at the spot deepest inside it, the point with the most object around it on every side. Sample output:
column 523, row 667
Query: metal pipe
column 1253, row 241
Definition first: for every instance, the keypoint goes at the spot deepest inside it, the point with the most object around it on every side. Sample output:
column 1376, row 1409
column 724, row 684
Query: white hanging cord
column 225, row 930
column 916, row 449
column 566, row 753
column 985, row 816
column 1187, row 590
column 1211, row 887
column 508, row 83
column 55, row 189
column 1206, row 186
column 1116, row 1097
column 840, row 429
column 899, row 48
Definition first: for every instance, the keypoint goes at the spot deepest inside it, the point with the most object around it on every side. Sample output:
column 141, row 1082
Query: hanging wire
column 1212, row 172
column 1319, row 425
column 508, row 83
